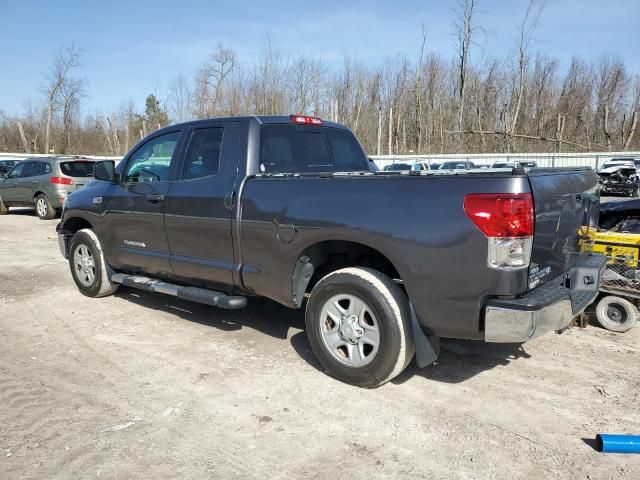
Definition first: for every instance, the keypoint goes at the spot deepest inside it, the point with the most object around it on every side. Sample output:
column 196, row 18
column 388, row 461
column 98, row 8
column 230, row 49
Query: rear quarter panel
column 417, row 222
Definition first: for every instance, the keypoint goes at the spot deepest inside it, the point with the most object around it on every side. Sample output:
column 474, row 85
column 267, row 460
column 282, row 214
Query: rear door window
column 203, row 154
column 30, row 169
column 77, row 169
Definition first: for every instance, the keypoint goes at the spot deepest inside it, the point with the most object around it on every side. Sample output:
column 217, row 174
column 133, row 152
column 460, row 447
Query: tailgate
column 566, row 203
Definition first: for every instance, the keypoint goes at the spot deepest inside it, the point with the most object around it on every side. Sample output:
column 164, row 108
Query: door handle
column 155, row 198
column 35, row 182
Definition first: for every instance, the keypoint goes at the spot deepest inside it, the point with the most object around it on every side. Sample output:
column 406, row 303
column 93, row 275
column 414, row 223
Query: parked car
column 397, row 167
column 43, row 183
column 6, row 165
column 384, row 264
column 457, row 166
column 420, row 166
column 524, row 164
column 612, row 165
column 615, row 161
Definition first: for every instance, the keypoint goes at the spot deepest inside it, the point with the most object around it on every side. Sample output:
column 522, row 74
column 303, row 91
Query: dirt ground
column 141, row 385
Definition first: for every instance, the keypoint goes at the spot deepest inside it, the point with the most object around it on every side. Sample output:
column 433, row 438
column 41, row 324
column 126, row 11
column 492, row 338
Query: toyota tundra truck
column 384, row 263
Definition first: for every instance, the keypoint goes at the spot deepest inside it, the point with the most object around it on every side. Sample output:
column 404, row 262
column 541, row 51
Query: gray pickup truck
column 289, row 208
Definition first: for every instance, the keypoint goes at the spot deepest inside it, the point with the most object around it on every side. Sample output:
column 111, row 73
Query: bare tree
column 464, row 30
column 526, row 29
column 60, row 79
column 179, row 99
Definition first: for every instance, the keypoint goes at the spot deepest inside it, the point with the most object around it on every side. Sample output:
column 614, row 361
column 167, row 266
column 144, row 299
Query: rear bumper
column 550, row 307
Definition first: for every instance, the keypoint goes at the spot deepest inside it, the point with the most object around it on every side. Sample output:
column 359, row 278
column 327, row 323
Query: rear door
column 132, row 228
column 566, row 203
column 200, row 205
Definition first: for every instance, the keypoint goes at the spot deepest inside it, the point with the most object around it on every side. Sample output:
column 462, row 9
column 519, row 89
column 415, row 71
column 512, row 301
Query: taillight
column 62, row 180
column 508, row 221
column 305, row 120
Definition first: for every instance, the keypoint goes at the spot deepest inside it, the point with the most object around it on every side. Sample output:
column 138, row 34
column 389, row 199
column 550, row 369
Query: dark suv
column 43, row 183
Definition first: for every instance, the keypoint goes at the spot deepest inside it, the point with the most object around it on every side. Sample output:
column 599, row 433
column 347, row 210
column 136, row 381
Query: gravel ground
column 141, row 385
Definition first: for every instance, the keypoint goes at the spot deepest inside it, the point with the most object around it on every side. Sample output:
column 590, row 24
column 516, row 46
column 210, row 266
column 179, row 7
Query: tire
column 4, row 210
column 616, row 313
column 89, row 270
column 44, row 210
column 364, row 306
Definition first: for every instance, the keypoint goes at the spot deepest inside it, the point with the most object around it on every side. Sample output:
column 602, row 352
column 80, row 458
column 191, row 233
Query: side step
column 194, row 294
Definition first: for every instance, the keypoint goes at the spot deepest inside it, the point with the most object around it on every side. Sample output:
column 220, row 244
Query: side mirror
column 105, row 170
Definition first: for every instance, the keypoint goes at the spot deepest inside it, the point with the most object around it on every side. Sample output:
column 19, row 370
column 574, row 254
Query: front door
column 24, row 188
column 200, row 205
column 133, row 210
column 9, row 185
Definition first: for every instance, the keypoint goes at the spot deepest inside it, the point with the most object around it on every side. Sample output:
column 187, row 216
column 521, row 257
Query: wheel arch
column 325, row 256
column 74, row 224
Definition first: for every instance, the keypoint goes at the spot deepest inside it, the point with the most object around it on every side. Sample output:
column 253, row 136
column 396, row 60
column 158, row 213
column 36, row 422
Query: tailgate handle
column 155, row 198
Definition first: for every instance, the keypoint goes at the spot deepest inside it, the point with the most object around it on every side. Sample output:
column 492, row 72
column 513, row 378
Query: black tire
column 616, row 313
column 93, row 278
column 4, row 210
column 44, row 210
column 392, row 320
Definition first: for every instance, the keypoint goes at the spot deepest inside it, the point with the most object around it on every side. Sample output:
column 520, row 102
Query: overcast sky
column 133, row 48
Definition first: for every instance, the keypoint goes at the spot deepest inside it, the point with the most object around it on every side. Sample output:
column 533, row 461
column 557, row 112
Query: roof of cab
column 261, row 119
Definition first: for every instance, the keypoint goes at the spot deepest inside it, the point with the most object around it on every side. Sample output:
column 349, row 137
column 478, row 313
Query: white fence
column 591, row 159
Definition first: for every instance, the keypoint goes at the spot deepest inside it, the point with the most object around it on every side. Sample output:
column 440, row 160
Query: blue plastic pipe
column 618, row 443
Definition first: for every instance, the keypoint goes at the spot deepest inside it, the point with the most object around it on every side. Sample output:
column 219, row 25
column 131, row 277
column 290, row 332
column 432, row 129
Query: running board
column 194, row 294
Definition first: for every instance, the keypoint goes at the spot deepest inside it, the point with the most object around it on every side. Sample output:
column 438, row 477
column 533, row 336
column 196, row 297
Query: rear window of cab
column 303, row 149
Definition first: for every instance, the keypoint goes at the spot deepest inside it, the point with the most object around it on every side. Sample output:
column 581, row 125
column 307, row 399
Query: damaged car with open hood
column 619, row 177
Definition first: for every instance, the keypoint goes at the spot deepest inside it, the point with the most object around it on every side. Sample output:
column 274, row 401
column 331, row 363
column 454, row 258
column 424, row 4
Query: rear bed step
column 194, row 294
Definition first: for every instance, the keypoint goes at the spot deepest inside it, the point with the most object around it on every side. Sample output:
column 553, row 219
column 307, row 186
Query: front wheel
column 44, row 209
column 359, row 326
column 88, row 267
column 616, row 313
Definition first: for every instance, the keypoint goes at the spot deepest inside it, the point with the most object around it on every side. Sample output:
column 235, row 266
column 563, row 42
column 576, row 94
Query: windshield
column 77, row 169
column 617, row 164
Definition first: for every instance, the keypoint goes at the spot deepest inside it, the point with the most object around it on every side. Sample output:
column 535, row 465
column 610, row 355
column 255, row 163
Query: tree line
column 427, row 104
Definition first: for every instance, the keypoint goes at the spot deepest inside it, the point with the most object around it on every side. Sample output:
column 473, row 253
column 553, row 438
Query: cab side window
column 152, row 161
column 203, row 154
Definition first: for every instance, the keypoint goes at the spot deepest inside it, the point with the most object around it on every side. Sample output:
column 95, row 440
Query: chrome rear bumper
column 550, row 307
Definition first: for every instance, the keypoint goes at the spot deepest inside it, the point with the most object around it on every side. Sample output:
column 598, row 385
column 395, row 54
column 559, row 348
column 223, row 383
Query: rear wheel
column 616, row 313
column 358, row 325
column 44, row 209
column 88, row 267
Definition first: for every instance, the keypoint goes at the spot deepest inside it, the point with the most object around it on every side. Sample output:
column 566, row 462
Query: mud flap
column 427, row 347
